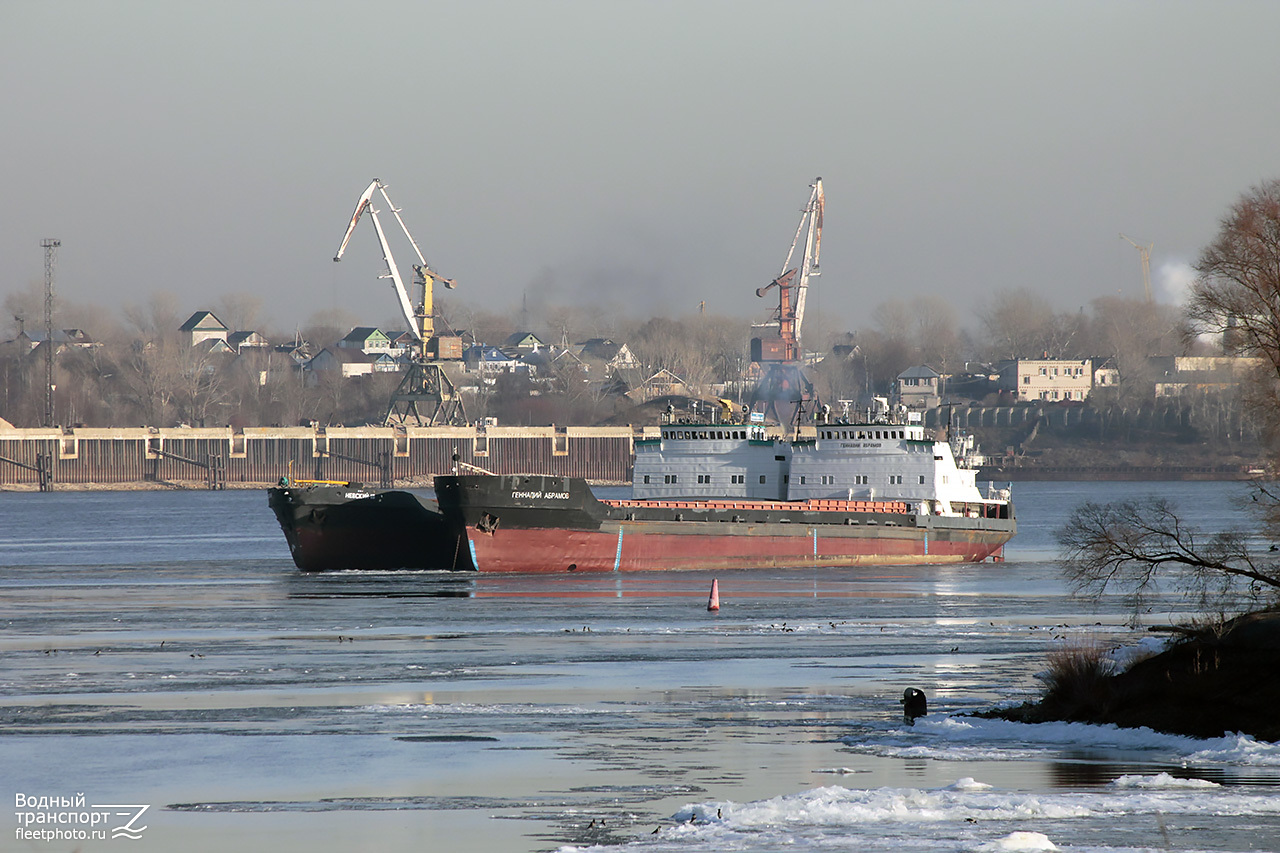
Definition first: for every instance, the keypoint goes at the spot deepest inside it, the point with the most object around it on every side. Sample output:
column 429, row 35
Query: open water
column 160, row 649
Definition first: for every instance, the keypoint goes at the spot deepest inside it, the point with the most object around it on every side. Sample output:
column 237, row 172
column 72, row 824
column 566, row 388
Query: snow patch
column 1161, row 780
column 1018, row 842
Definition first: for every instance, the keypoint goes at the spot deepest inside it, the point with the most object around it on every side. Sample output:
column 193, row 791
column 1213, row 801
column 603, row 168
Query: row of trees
column 143, row 372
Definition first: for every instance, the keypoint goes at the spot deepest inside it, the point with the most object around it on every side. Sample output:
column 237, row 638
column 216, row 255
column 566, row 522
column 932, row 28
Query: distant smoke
column 1172, row 282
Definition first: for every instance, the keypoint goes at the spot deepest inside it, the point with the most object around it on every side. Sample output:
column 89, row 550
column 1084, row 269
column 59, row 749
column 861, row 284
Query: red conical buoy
column 713, row 603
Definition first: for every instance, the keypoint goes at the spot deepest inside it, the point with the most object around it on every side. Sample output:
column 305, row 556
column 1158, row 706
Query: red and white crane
column 784, row 392
column 792, row 293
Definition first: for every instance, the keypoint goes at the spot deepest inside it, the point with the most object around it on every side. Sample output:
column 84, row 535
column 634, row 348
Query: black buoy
column 914, row 705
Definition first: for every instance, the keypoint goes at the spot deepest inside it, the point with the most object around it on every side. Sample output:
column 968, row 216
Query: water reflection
column 1088, row 770
column 389, row 585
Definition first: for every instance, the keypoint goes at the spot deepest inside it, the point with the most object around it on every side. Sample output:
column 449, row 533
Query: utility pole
column 50, row 246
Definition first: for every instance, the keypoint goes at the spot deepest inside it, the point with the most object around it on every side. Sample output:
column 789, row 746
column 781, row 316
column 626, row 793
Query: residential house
column 297, row 349
column 368, row 339
column 347, row 362
column 489, row 361
column 214, row 346
column 565, row 362
column 613, row 356
column 203, row 326
column 919, row 387
column 1105, row 373
column 403, row 343
column 62, row 338
column 1176, row 376
column 248, row 342
column 526, row 342
column 664, row 383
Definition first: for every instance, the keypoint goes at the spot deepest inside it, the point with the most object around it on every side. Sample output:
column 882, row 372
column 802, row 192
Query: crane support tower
column 426, row 396
column 784, row 393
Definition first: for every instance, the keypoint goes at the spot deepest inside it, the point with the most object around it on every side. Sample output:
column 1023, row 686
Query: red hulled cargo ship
column 555, row 524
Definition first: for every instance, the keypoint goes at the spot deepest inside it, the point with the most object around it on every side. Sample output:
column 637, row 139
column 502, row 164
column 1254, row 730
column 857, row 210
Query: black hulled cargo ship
column 347, row 526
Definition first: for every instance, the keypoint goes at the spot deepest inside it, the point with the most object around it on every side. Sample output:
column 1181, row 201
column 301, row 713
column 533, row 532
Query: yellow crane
column 1145, row 252
column 425, row 383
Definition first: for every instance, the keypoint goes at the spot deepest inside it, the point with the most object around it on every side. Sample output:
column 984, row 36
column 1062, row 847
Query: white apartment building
column 1049, row 379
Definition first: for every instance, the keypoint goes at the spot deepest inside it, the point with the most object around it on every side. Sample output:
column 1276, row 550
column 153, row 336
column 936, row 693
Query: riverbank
column 1209, row 683
column 203, row 486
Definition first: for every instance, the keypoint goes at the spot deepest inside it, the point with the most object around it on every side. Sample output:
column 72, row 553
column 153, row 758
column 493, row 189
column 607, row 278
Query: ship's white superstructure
column 869, row 461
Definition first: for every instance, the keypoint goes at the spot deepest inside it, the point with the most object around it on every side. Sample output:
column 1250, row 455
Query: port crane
column 780, row 353
column 425, row 383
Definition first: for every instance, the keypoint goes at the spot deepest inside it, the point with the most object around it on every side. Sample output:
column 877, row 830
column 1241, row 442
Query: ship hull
column 555, row 525
column 346, row 527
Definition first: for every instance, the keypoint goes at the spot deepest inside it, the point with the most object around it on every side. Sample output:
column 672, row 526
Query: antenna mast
column 50, row 247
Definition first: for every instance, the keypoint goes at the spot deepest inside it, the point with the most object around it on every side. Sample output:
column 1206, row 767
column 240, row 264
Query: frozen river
column 160, row 649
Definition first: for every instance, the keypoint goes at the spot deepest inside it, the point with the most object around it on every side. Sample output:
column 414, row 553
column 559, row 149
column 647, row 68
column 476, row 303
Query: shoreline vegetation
column 1211, row 681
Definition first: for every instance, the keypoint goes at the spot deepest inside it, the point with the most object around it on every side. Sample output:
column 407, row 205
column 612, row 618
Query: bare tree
column 1134, row 545
column 936, row 333
column 1017, row 324
column 240, row 310
column 1237, row 294
column 201, row 386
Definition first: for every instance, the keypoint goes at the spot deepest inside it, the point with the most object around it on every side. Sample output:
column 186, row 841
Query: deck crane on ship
column 425, row 383
column 784, row 393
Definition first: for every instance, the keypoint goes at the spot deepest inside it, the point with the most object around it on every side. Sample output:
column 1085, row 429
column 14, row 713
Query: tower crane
column 784, row 380
column 1145, row 252
column 425, row 382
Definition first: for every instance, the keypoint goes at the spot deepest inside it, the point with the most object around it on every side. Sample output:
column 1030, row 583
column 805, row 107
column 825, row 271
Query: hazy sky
column 639, row 156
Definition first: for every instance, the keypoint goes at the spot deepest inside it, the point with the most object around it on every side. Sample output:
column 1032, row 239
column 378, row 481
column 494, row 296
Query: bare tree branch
column 1133, row 545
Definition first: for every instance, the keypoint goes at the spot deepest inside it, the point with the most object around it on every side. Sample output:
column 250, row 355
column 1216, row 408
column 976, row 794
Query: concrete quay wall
column 258, row 456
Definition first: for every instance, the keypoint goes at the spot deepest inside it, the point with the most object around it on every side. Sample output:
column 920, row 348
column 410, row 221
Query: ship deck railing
column 816, row 505
column 981, row 509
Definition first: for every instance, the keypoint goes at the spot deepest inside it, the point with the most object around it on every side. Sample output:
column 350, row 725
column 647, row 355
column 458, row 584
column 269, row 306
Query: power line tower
column 50, row 246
